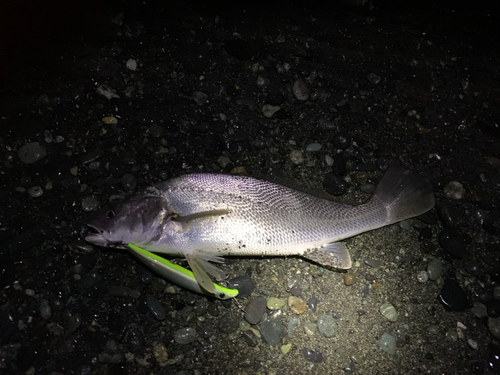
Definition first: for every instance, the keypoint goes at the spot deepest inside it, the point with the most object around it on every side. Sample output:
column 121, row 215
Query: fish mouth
column 96, row 237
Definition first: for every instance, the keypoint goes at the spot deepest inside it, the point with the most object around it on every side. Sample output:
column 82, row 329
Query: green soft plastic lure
column 177, row 274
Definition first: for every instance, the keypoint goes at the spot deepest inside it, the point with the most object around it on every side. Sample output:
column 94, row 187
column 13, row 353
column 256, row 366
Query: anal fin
column 333, row 254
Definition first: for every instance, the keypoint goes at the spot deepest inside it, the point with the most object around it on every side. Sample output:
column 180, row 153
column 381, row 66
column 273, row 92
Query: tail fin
column 404, row 194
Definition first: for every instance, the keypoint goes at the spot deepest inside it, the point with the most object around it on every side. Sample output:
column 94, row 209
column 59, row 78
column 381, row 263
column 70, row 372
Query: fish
column 205, row 216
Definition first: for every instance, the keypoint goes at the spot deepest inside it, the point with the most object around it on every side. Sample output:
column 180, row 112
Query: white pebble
column 131, row 64
column 472, row 344
column 329, row 160
column 35, row 191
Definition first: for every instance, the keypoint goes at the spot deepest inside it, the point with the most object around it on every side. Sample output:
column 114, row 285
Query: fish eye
column 110, row 214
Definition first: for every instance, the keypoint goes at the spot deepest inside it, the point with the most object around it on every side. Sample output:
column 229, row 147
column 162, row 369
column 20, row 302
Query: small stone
column 494, row 327
column 110, row 120
column 200, row 98
column 310, row 328
column 74, row 171
column 388, row 343
column 89, row 204
column 274, row 303
column 156, row 307
column 300, row 90
column 389, row 312
column 329, row 160
column 297, row 157
column 472, row 344
column 313, row 147
column 374, row 78
column 326, row 325
column 185, row 335
column 271, row 331
column 434, row 269
column 45, row 309
column 285, row 348
column 269, row 110
column 314, row 356
column 160, row 353
column 131, row 64
column 422, row 276
column 106, row 91
column 35, row 191
column 349, row 279
column 297, row 305
column 454, row 190
column 31, row 153
column 223, row 161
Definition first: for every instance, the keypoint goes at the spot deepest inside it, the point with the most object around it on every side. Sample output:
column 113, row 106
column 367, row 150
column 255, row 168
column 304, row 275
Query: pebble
column 342, row 141
column 300, row 90
column 422, row 276
column 200, row 98
column 131, row 64
column 435, row 269
column 229, row 323
column 312, row 303
column 454, row 190
column 274, row 303
column 349, row 279
column 373, row 263
column 110, row 120
column 313, row 147
column 106, row 91
column 160, row 353
column 479, row 310
column 292, row 323
column 35, row 191
column 297, row 157
column 388, row 343
column 255, row 311
column 334, row 184
column 129, row 182
column 329, row 160
column 31, row 153
column 29, row 292
column 389, row 311
column 244, row 284
column 185, row 335
column 89, row 204
column 326, row 325
column 314, row 356
column 223, row 161
column 374, row 78
column 494, row 327
column 472, row 344
column 451, row 242
column 271, row 331
column 156, row 307
column 269, row 110
column 45, row 309
column 118, row 291
column 452, row 296
column 297, row 305
column 285, row 348
column 310, row 328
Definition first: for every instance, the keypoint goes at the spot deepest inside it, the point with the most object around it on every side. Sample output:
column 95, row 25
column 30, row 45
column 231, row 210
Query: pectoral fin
column 334, row 254
column 200, row 215
column 199, row 263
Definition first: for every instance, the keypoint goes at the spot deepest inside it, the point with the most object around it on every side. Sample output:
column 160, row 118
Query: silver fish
column 206, row 216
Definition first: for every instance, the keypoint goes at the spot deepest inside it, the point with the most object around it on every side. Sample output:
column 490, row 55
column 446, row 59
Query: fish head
column 138, row 220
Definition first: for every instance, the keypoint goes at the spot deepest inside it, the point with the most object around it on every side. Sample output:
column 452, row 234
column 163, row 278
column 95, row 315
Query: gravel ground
column 100, row 102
